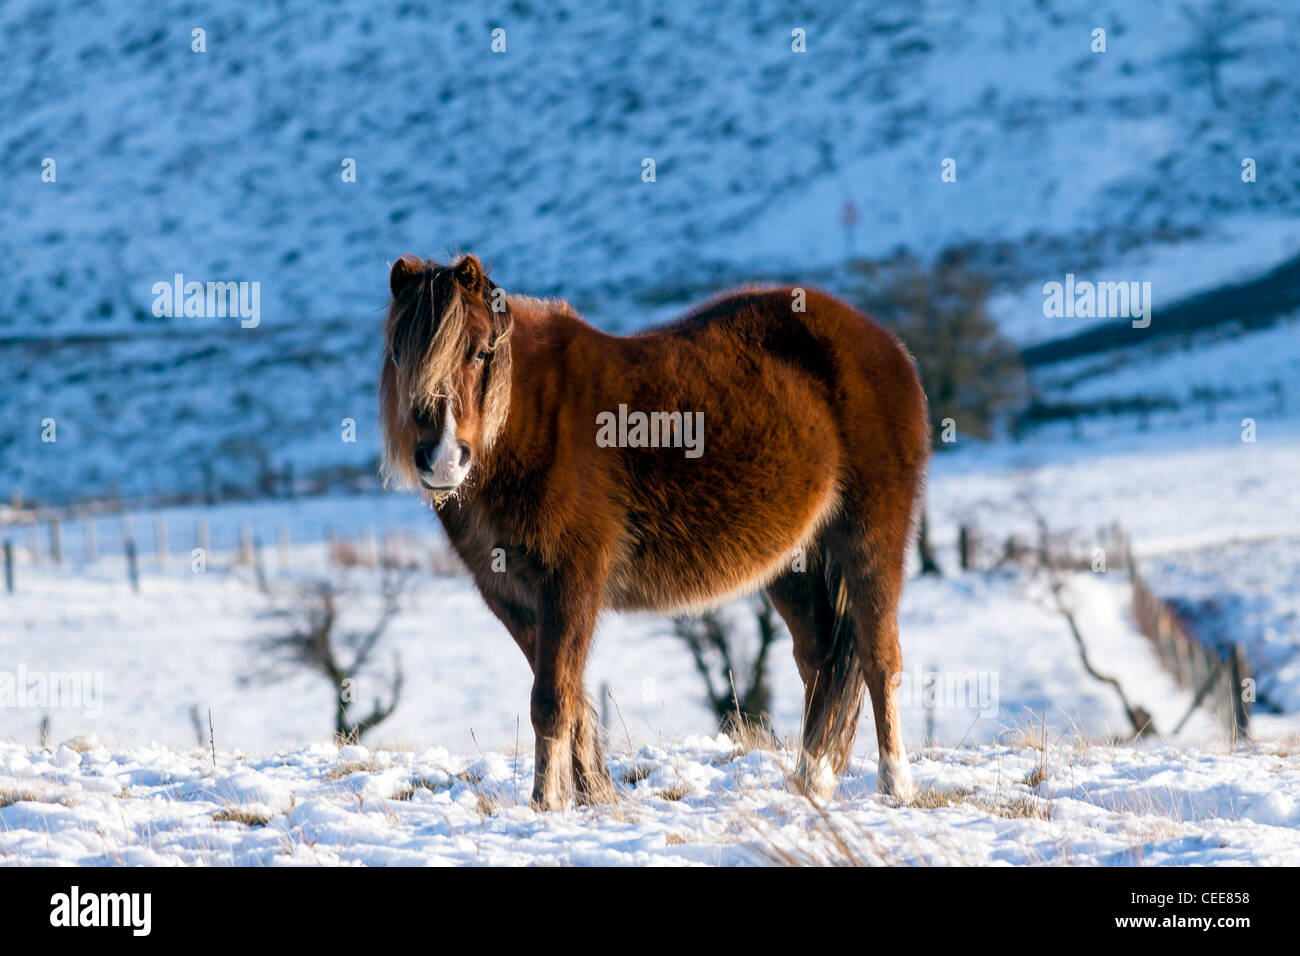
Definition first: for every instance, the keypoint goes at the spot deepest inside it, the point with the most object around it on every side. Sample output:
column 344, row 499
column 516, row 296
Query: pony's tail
column 829, row 734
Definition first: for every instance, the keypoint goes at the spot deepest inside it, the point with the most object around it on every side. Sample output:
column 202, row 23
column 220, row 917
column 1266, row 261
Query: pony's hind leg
column 832, row 683
column 872, row 566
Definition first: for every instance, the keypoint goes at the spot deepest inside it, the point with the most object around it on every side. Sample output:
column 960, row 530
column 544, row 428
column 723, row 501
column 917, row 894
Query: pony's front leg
column 566, row 622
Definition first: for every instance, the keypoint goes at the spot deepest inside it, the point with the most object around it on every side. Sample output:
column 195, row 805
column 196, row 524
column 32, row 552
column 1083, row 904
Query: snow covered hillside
column 699, row 800
column 226, row 164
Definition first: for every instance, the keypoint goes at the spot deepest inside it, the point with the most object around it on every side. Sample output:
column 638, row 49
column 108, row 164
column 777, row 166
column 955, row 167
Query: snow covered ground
column 194, row 633
column 1245, row 590
column 696, row 800
column 188, row 643
column 191, row 641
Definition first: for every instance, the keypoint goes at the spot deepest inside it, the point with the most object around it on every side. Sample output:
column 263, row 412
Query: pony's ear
column 404, row 270
column 469, row 273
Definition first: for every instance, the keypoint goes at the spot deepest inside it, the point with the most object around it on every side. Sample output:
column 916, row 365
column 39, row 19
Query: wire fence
column 1219, row 677
column 80, row 536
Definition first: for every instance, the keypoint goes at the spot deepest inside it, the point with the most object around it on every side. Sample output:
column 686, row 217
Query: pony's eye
column 397, row 358
column 482, row 354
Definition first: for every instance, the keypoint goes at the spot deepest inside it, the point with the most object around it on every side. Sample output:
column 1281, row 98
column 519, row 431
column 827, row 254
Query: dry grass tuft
column 354, row 766
column 407, row 791
column 1018, row 808
column 1288, row 746
column 636, row 773
column 24, row 795
column 749, row 736
column 1035, row 776
column 932, row 799
column 248, row 816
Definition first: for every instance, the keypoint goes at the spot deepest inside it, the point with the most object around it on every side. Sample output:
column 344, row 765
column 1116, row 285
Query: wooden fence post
column 1181, row 653
column 1239, row 672
column 928, row 701
column 128, row 545
column 370, row 553
column 56, row 540
column 246, row 544
column 259, row 570
column 202, row 540
column 34, row 540
column 9, row 566
column 160, row 539
column 964, row 546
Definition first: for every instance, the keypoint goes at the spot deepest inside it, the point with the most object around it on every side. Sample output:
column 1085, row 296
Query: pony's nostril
column 424, row 456
column 464, row 453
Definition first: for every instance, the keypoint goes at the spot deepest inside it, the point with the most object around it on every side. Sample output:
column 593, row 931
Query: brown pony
column 770, row 439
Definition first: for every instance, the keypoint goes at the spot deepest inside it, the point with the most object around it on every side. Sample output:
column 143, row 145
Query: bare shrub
column 315, row 641
column 736, row 689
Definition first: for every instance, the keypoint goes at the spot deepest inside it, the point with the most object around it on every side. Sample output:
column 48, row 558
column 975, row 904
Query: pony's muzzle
column 442, row 466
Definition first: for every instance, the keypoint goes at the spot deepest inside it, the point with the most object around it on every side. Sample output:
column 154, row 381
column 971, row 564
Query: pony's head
column 444, row 391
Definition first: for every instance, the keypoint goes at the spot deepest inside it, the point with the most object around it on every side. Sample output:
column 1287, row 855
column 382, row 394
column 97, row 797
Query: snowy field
column 697, row 800
column 191, row 641
column 128, row 777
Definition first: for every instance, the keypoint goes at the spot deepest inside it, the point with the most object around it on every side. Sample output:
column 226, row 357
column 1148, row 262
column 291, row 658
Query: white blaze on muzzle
column 446, row 469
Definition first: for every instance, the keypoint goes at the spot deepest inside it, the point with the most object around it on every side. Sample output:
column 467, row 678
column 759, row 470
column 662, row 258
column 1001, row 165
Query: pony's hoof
column 594, row 790
column 545, row 799
column 816, row 778
column 545, row 805
column 895, row 779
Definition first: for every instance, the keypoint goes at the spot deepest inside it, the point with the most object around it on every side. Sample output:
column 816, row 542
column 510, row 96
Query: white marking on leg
column 895, row 778
column 818, row 776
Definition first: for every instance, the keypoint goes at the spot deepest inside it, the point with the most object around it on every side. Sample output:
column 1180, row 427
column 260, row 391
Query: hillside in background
column 225, row 165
